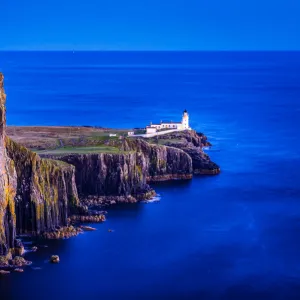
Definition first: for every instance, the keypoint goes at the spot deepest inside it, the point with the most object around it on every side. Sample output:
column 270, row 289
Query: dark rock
column 54, row 259
column 8, row 185
column 90, row 218
column 3, row 272
column 62, row 233
column 18, row 248
column 122, row 178
column 88, row 228
column 161, row 162
column 4, row 261
column 19, row 261
column 46, row 191
column 192, row 143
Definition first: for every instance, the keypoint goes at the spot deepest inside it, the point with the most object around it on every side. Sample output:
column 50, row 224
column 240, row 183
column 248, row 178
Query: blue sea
column 233, row 236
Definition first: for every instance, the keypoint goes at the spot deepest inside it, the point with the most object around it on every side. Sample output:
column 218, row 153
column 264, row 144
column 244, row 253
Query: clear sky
column 150, row 25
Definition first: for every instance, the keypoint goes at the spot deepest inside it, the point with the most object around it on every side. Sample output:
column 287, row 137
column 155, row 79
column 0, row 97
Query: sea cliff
column 36, row 195
column 191, row 143
column 8, row 183
column 41, row 194
column 124, row 176
column 46, row 192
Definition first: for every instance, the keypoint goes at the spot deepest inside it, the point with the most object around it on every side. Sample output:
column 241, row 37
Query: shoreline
column 91, row 204
column 55, row 177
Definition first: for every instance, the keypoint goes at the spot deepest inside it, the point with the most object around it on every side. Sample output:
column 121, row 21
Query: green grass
column 165, row 141
column 102, row 138
column 81, row 150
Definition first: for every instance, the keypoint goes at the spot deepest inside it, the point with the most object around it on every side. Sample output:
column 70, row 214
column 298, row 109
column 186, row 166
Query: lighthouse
column 185, row 120
column 170, row 125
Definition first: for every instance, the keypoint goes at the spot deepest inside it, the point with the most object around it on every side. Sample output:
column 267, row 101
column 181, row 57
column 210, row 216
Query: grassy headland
column 59, row 140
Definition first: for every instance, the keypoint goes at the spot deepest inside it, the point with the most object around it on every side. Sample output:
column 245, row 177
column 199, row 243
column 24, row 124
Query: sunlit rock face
column 46, row 191
column 7, row 185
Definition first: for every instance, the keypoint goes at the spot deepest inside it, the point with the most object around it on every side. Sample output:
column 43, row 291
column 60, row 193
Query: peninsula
column 52, row 178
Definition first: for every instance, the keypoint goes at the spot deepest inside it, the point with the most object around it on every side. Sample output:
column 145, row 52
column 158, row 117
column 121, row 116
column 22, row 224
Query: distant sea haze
column 231, row 236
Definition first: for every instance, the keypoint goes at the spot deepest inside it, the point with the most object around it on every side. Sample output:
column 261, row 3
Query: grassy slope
column 53, row 137
column 59, row 140
column 80, row 150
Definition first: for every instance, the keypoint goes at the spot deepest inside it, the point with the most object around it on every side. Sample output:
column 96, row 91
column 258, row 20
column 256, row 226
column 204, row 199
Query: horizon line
column 73, row 50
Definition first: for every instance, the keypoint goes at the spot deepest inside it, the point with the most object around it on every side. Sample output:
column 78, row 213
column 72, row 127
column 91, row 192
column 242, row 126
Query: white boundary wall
column 149, row 135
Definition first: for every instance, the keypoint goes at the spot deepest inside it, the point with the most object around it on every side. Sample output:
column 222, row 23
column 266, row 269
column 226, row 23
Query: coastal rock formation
column 8, row 184
column 192, row 143
column 6, row 261
column 89, row 218
column 106, row 174
column 36, row 195
column 46, row 191
column 161, row 162
column 124, row 177
column 54, row 259
column 62, row 233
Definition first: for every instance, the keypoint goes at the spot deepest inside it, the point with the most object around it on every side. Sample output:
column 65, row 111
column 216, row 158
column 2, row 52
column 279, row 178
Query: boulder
column 19, row 270
column 4, row 261
column 54, row 259
column 20, row 261
column 88, row 228
column 3, row 272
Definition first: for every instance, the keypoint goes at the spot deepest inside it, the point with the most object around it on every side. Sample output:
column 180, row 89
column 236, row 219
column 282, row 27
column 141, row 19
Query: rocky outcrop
column 124, row 177
column 192, row 143
column 64, row 232
column 46, row 191
column 162, row 162
column 38, row 195
column 106, row 174
column 7, row 261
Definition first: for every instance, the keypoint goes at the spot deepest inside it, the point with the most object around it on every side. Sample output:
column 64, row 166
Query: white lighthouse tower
column 185, row 120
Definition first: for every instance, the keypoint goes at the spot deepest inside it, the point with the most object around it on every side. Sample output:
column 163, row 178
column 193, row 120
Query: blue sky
column 150, row 25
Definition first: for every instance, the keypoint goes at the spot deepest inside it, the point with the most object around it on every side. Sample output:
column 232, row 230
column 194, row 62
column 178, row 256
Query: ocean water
column 232, row 236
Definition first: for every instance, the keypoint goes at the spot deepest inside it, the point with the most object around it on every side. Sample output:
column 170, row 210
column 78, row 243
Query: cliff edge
column 82, row 167
column 191, row 143
column 124, row 176
column 36, row 195
column 8, row 183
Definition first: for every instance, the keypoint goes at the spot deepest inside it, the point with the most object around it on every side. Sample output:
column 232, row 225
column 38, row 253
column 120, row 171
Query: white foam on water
column 154, row 199
column 36, row 268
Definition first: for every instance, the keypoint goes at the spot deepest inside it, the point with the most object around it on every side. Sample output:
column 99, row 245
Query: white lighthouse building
column 185, row 120
column 183, row 125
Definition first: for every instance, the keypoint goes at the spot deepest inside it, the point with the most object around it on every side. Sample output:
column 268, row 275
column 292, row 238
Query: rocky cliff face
column 162, row 163
column 106, row 174
column 126, row 174
column 192, row 143
column 7, row 185
column 36, row 195
column 46, row 191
